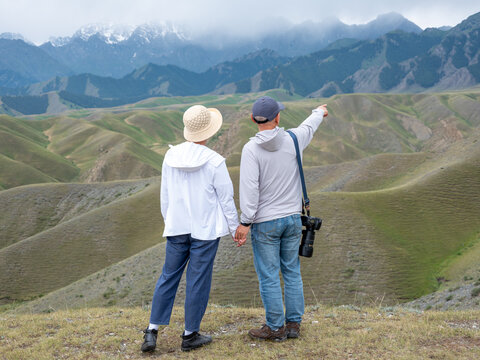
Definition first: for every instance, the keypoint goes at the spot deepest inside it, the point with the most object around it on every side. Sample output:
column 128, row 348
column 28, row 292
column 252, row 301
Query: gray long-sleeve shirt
column 270, row 186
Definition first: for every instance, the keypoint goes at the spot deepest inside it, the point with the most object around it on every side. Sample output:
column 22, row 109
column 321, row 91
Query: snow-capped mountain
column 118, row 33
column 110, row 33
column 149, row 32
column 116, row 50
column 14, row 36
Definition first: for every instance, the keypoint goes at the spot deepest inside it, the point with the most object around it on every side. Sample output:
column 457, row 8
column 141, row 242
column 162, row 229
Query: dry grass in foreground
column 344, row 332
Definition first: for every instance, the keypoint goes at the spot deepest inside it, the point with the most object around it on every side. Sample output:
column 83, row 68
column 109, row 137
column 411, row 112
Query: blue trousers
column 275, row 248
column 199, row 254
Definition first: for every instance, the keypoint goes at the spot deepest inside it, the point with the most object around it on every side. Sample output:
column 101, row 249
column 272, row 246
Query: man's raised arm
column 308, row 127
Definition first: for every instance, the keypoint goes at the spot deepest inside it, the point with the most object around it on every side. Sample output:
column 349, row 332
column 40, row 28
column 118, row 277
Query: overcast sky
column 37, row 20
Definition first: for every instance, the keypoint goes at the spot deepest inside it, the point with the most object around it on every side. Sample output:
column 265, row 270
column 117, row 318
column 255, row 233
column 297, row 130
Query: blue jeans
column 199, row 254
column 275, row 248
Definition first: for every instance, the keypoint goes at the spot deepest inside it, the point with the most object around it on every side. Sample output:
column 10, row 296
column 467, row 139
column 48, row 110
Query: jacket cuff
column 245, row 220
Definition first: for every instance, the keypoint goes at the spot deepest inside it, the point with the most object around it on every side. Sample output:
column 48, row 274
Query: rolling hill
column 395, row 178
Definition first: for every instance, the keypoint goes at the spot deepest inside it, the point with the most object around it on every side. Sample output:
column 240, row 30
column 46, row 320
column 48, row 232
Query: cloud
column 38, row 20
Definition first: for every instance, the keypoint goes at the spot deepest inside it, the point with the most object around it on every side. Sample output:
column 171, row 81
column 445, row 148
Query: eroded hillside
column 396, row 179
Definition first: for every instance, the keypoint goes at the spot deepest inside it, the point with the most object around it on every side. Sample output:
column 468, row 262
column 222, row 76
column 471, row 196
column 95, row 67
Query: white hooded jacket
column 196, row 194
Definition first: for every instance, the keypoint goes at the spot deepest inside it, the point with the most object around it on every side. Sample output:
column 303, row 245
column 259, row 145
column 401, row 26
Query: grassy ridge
column 393, row 221
column 36, row 208
column 127, row 142
column 422, row 226
column 15, row 173
column 80, row 246
column 390, row 244
column 23, row 129
column 22, row 150
column 25, row 159
column 375, row 246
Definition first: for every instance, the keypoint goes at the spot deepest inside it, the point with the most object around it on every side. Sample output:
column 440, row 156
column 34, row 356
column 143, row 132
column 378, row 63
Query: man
column 198, row 208
column 271, row 203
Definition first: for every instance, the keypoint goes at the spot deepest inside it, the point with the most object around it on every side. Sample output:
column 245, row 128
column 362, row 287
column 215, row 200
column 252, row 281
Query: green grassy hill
column 60, row 249
column 395, row 177
column 25, row 159
column 128, row 142
column 386, row 245
column 16, row 173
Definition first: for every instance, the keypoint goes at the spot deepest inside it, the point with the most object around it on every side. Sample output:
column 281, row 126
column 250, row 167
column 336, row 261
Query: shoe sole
column 149, row 348
column 292, row 335
column 196, row 347
column 193, row 348
column 263, row 339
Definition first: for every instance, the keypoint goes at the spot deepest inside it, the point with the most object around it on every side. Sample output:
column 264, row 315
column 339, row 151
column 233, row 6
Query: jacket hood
column 270, row 140
column 189, row 156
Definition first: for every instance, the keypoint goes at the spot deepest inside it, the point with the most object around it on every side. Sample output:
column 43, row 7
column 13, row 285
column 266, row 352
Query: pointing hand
column 324, row 108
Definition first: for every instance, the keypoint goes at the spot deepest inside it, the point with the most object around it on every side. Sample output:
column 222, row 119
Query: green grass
column 80, row 246
column 22, row 150
column 463, row 265
column 103, row 154
column 15, row 173
column 23, row 129
column 392, row 243
column 359, row 125
column 421, row 226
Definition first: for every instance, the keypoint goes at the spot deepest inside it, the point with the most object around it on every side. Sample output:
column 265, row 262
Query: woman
column 197, row 206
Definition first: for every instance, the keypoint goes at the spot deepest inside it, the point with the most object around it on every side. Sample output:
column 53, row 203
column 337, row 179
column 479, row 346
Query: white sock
column 188, row 332
column 153, row 327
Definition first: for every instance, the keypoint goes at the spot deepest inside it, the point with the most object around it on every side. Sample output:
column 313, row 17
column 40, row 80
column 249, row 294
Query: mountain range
column 114, row 50
column 117, row 50
column 397, row 61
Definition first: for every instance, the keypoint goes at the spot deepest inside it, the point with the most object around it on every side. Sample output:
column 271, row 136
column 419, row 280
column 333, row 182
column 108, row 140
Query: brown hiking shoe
column 293, row 330
column 265, row 333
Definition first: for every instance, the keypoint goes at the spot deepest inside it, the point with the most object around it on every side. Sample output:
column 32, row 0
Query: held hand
column 324, row 108
column 241, row 242
column 241, row 235
column 238, row 240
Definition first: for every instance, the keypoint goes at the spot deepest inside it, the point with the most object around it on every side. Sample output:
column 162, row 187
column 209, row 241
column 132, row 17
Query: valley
column 395, row 177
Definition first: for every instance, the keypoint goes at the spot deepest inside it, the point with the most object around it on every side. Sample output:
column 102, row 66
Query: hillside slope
column 395, row 178
column 57, row 255
column 386, row 245
column 129, row 142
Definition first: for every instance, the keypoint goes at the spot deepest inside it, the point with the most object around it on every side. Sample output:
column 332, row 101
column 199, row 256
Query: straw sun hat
column 201, row 123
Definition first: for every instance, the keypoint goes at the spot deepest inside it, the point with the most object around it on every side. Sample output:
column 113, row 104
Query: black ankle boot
column 194, row 340
column 150, row 340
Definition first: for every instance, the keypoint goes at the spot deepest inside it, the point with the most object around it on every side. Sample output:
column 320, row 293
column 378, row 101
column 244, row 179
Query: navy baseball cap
column 266, row 109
